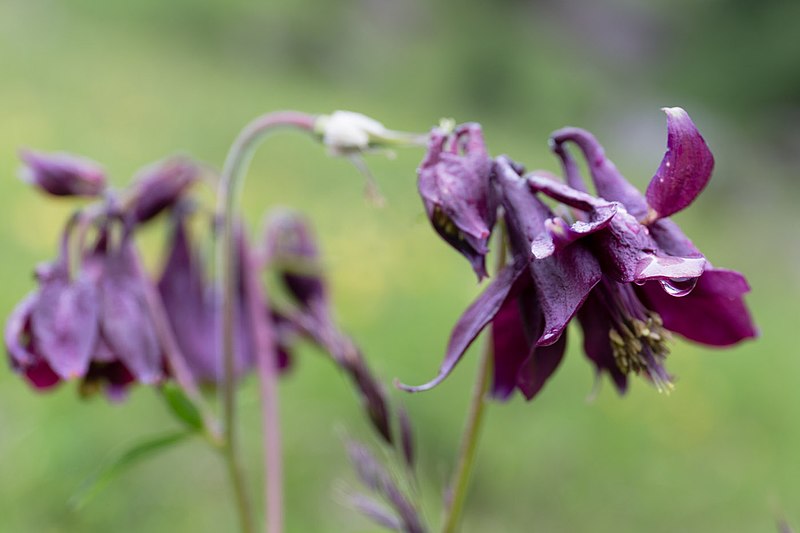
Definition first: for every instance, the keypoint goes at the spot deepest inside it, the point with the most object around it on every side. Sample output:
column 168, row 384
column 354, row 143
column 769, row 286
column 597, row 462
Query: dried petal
column 454, row 183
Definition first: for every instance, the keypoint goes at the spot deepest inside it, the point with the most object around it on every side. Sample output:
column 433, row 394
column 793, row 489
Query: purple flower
column 89, row 325
column 62, row 174
column 529, row 303
column 454, row 182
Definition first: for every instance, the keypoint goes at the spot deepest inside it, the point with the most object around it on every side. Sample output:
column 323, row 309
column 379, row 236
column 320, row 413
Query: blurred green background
column 129, row 82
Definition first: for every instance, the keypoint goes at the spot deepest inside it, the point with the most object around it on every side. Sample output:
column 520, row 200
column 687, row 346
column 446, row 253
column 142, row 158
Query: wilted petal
column 540, row 366
column 685, row 168
column 455, row 189
column 160, row 186
column 64, row 321
column 62, row 174
column 714, row 313
column 474, row 319
column 125, row 322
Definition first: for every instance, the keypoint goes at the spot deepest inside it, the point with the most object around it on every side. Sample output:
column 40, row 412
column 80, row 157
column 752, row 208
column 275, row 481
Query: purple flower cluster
column 612, row 259
column 99, row 317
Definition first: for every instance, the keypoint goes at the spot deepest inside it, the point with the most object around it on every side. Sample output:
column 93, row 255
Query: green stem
column 471, row 436
column 233, row 173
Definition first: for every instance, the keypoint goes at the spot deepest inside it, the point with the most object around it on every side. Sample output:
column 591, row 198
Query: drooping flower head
column 454, row 183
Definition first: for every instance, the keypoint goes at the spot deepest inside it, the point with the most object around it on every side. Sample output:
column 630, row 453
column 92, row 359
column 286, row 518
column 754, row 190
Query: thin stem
column 258, row 313
column 470, row 438
column 231, row 179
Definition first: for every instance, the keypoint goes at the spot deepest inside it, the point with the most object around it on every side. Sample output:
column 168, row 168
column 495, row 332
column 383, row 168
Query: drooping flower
column 62, row 174
column 89, row 325
column 454, row 183
column 529, row 303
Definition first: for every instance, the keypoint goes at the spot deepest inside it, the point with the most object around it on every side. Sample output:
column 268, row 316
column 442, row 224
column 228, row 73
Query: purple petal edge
column 472, row 322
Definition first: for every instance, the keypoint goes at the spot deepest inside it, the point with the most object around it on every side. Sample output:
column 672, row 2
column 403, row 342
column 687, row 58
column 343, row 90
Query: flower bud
column 62, row 174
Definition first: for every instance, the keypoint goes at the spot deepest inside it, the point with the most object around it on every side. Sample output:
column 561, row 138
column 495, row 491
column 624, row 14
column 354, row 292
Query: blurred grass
column 128, row 83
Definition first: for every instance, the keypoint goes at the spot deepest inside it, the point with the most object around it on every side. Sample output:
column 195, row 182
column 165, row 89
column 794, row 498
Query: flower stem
column 469, row 439
column 231, row 179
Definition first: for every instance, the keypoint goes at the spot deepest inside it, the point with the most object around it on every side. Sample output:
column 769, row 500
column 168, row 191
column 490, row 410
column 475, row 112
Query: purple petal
column 512, row 341
column 64, row 322
column 608, row 181
column 17, row 328
column 596, row 324
column 183, row 293
column 714, row 313
column 41, row 376
column 125, row 322
column 563, row 281
column 685, row 168
column 540, row 366
column 160, row 186
column 559, row 232
column 474, row 319
column 62, row 174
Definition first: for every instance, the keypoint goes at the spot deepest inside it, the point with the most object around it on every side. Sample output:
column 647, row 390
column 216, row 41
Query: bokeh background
column 130, row 82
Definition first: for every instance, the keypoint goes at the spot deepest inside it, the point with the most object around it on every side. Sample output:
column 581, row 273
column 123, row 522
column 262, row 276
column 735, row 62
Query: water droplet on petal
column 678, row 287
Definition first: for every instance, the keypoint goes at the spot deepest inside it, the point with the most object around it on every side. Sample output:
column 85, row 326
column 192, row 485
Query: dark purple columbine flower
column 529, row 303
column 292, row 251
column 89, row 325
column 713, row 312
column 62, row 174
column 161, row 186
column 454, row 182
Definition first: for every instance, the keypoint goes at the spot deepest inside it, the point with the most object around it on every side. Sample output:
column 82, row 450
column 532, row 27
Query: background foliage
column 130, row 82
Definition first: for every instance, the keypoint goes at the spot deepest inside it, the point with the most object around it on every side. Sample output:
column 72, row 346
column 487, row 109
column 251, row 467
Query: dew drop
column 678, row 287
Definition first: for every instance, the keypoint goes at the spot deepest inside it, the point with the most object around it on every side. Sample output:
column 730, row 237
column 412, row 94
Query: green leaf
column 143, row 450
column 182, row 407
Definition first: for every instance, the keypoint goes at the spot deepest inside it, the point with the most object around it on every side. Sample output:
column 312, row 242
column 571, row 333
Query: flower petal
column 596, row 324
column 540, row 366
column 512, row 341
column 685, row 168
column 563, row 281
column 608, row 181
column 64, row 322
column 62, row 174
column 474, row 319
column 125, row 322
column 714, row 313
column 17, row 327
